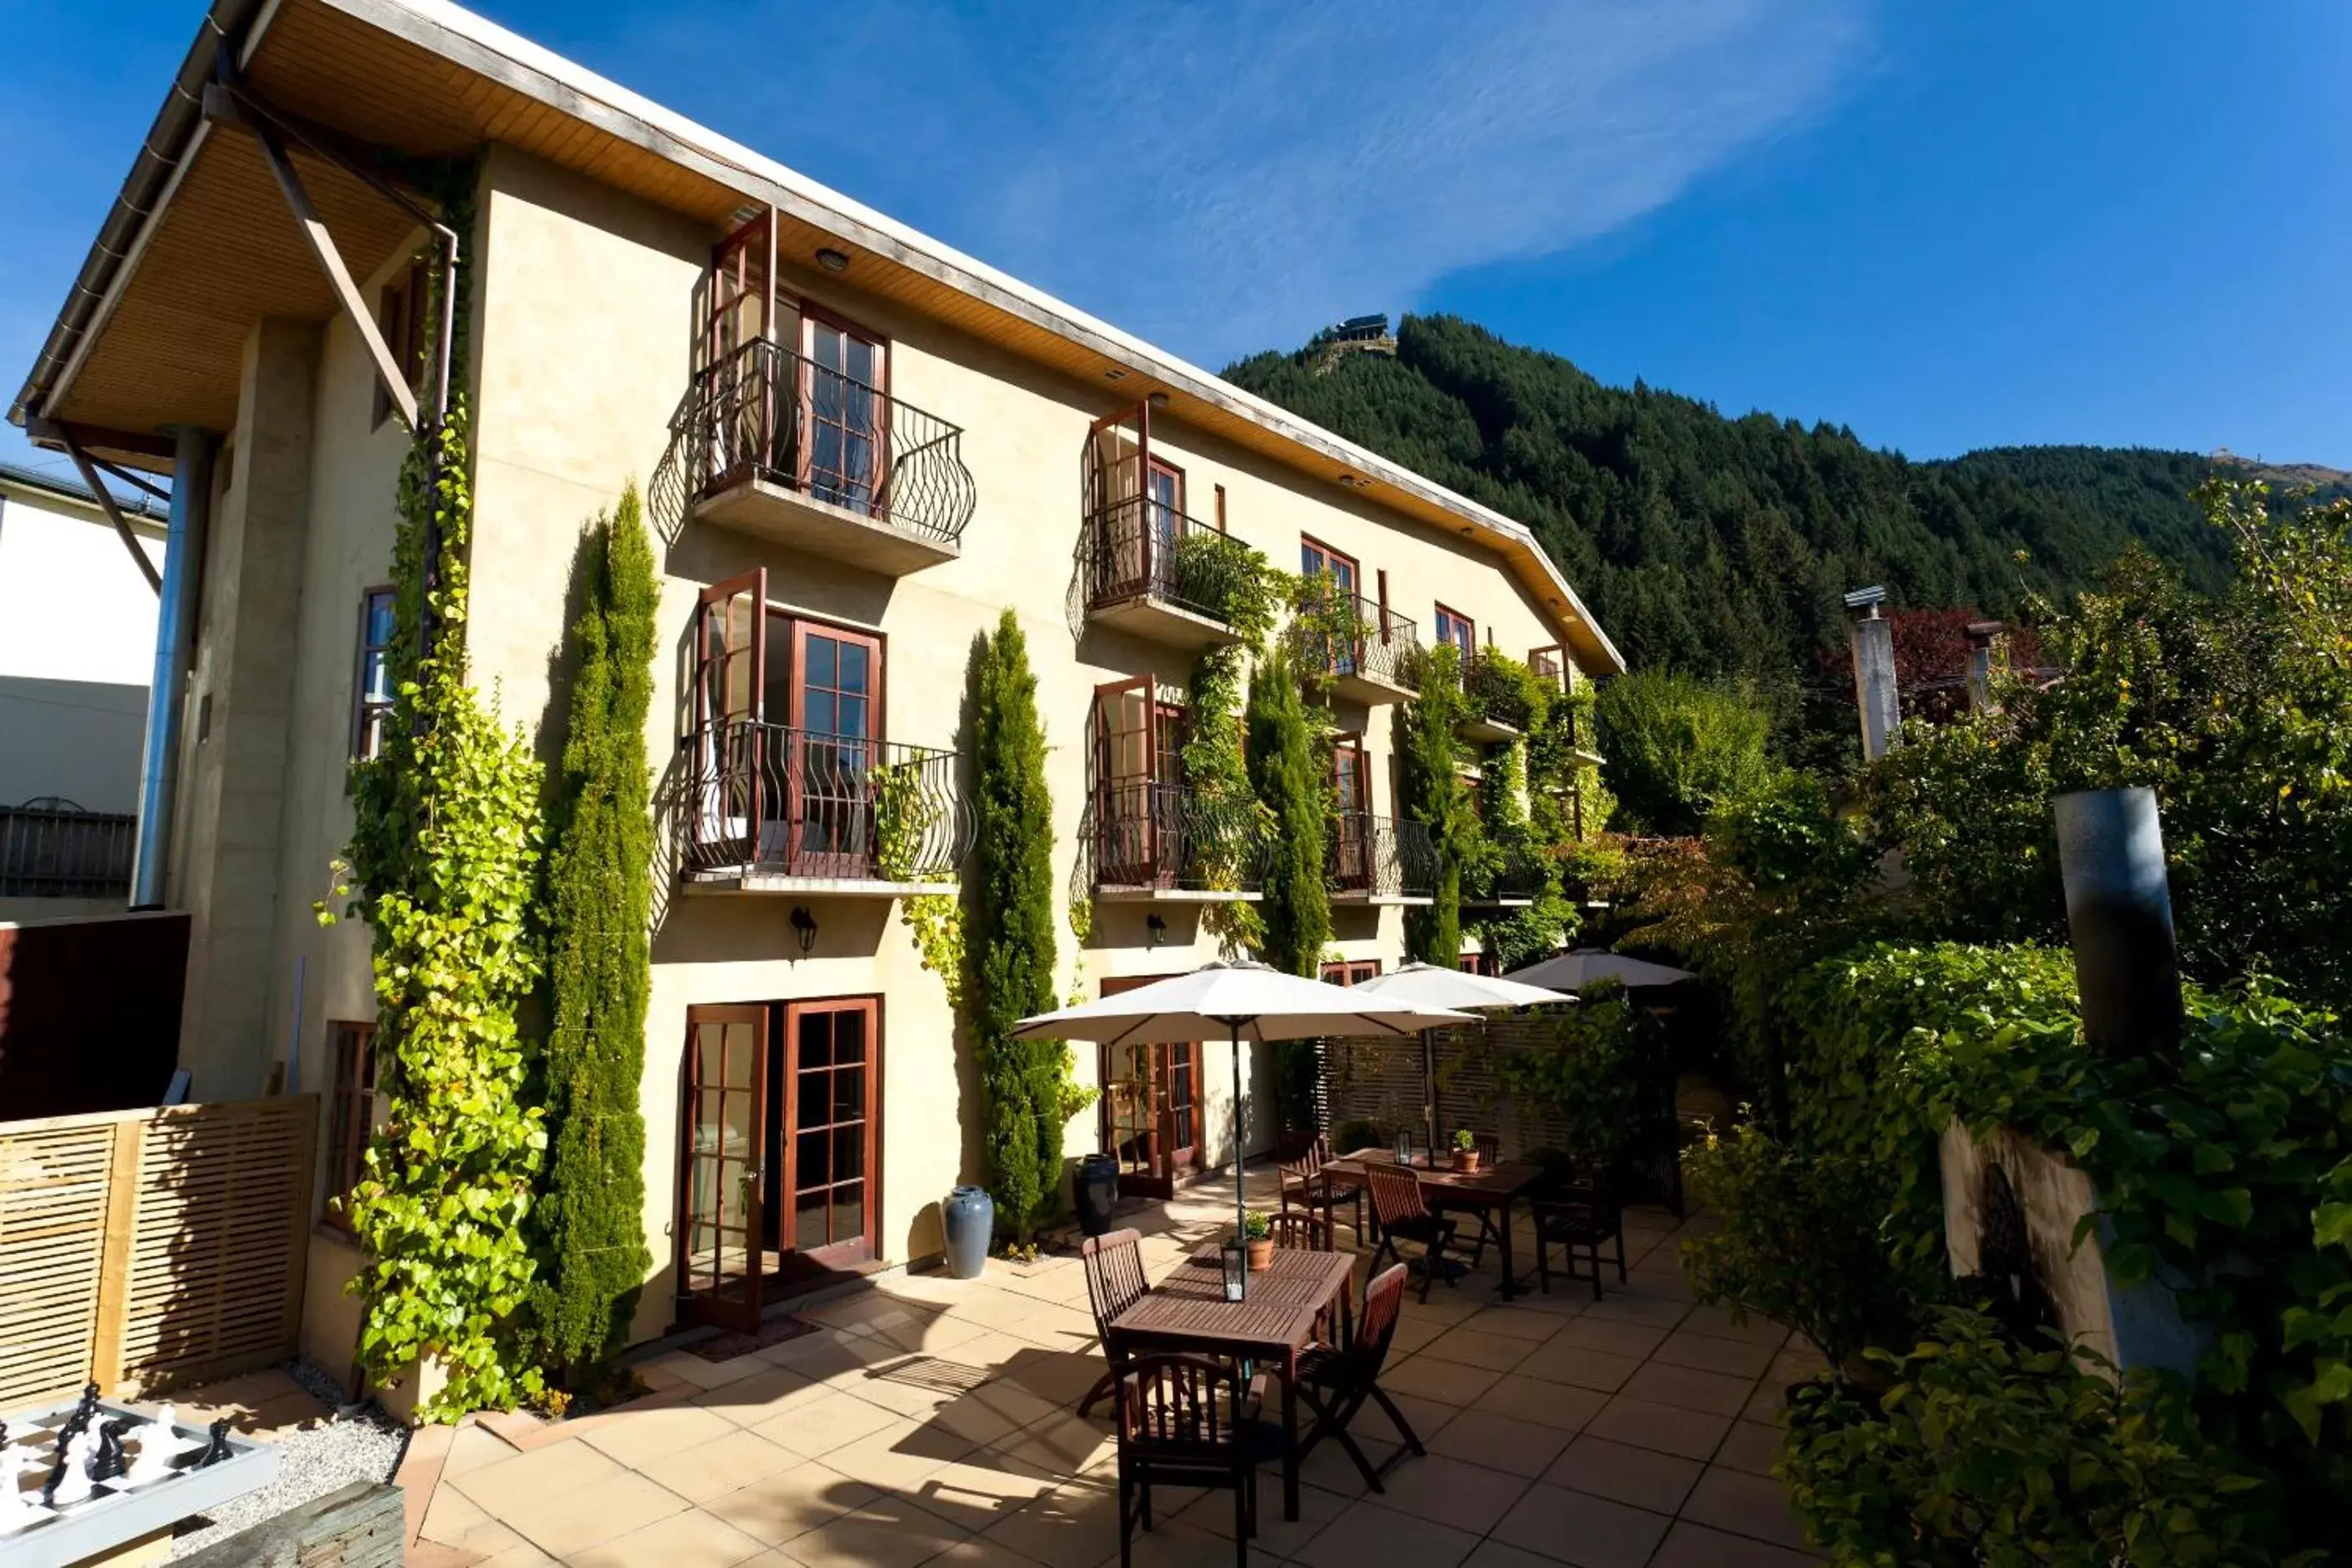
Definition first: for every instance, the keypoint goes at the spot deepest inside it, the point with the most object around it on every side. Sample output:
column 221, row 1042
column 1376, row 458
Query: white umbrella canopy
column 1432, row 986
column 1429, row 985
column 1589, row 966
column 1238, row 1000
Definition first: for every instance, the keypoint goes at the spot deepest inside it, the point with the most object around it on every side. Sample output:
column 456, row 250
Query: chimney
column 1873, row 671
column 1987, row 651
column 2119, row 916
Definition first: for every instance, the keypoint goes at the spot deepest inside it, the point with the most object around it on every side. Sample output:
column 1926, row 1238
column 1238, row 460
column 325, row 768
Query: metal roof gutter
column 170, row 144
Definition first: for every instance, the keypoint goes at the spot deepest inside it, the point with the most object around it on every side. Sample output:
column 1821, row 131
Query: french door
column 1351, row 786
column 845, row 414
column 1151, row 1108
column 739, row 312
column 722, row 1239
column 833, row 1061
column 1128, row 746
column 836, row 692
column 1316, row 557
column 730, row 653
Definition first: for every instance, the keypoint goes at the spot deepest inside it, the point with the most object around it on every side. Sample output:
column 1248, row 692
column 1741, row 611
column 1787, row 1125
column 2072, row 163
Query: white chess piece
column 17, row 1509
column 156, row 1444
column 165, row 1423
column 74, row 1484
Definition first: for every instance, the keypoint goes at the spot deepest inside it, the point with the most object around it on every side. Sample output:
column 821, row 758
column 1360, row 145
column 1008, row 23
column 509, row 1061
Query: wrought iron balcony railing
column 1495, row 692
column 51, row 849
column 761, row 800
column 1510, row 876
column 1380, row 857
column 1356, row 636
column 767, row 412
column 1139, row 548
column 1146, row 836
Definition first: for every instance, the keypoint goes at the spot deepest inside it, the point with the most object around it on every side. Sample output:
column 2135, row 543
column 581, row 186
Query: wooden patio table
column 1496, row 1186
column 1274, row 1322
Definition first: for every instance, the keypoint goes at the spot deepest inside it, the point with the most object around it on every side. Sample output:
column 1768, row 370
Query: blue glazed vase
column 969, row 1217
column 1096, row 1190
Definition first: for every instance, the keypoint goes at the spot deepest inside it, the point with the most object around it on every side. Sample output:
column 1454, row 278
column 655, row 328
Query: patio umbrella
column 1590, row 965
column 1242, row 1001
column 1430, row 985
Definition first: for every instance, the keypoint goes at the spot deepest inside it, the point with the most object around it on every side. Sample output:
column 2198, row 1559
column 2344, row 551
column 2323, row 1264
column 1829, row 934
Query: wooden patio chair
column 1301, row 1167
column 1334, row 1383
column 1183, row 1423
column 1490, row 1154
column 1115, row 1281
column 1578, row 1216
column 1402, row 1215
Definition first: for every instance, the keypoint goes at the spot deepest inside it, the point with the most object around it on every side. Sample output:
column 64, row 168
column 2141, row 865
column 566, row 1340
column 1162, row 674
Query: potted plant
column 1258, row 1232
column 1465, row 1151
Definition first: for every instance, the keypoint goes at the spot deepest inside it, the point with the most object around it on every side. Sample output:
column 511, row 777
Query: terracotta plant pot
column 1261, row 1254
column 1466, row 1161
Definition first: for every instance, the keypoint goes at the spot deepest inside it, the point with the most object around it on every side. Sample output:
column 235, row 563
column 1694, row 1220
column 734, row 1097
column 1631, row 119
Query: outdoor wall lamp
column 1158, row 928
column 804, row 927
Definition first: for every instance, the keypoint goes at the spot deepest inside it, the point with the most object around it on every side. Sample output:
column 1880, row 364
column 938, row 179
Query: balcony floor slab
column 766, row 509
column 1159, row 620
column 740, row 880
column 1176, row 896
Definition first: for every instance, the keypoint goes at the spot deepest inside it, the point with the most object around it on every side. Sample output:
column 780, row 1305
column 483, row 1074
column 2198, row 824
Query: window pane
column 850, row 1152
column 814, row 1169
column 849, row 1094
column 855, row 676
column 808, row 1219
column 379, row 620
column 850, row 1212
column 849, row 1036
column 850, row 718
column 816, row 1038
column 821, row 713
column 823, row 665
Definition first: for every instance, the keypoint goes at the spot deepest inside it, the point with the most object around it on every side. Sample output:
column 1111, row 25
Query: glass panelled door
column 739, row 304
column 845, row 453
column 833, row 1063
column 1126, row 747
column 1351, row 824
column 1150, row 1107
column 728, row 744
column 720, row 1249
column 1315, row 558
column 837, row 691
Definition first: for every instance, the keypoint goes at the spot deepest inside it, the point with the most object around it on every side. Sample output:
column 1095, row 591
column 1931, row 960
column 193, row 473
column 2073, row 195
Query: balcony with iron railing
column 764, row 808
column 1148, row 841
column 772, row 444
column 1510, row 878
column 1370, row 653
column 1495, row 702
column 1381, row 860
column 1155, row 572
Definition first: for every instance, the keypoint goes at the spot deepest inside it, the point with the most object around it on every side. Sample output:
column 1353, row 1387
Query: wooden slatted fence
column 143, row 1248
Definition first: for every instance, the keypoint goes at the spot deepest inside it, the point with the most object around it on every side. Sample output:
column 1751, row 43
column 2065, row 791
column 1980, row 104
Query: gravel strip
column 365, row 1447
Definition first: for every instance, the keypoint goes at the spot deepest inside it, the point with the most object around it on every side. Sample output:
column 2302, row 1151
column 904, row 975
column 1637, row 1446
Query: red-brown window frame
column 401, row 311
column 1351, row 971
column 350, row 1112
column 1437, row 629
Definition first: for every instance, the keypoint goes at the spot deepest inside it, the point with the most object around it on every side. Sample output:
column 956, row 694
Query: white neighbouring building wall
column 77, row 643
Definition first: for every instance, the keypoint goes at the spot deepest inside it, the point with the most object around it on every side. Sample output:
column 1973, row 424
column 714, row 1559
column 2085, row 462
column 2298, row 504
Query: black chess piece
column 111, row 1460
column 81, row 1418
column 56, row 1477
column 217, row 1450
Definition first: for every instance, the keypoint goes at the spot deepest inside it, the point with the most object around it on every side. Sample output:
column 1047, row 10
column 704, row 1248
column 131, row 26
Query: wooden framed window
column 372, row 685
column 1475, row 963
column 401, row 315
column 1350, row 970
column 1459, row 629
column 1314, row 556
column 351, row 1110
column 845, row 410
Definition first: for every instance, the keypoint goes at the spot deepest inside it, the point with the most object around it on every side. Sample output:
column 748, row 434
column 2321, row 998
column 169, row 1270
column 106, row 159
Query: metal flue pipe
column 2119, row 916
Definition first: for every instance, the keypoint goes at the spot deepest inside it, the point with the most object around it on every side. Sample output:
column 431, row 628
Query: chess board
column 116, row 1513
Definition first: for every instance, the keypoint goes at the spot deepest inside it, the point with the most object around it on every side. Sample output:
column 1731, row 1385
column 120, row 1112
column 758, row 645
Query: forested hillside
column 1722, row 545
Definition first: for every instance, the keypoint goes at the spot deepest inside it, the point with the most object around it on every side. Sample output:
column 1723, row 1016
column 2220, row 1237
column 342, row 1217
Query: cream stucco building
column 857, row 447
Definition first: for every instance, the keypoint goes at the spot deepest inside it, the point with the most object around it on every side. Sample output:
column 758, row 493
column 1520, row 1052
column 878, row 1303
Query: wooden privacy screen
column 143, row 1248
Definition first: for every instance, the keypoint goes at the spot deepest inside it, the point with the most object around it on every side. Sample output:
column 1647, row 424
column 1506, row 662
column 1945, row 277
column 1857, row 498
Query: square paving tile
column 1692, row 1433
column 980, row 1490
column 1520, row 1323
column 1556, row 1363
column 1705, row 1353
column 1062, row 1445
column 1688, row 1389
column 1627, row 1307
column 1068, row 1526
column 528, row 1479
column 1622, row 1339
column 1555, row 1404
column 1450, row 1491
column 1752, row 1447
column 1472, row 1347
column 790, row 1502
column 766, row 1394
column 1690, row 1545
column 1277, row 1536
column 1498, row 1442
column 689, row 1537
column 887, row 1534
column 817, row 1428
column 704, row 1374
column 642, row 1436
column 1642, row 1476
column 1723, row 1323
column 1583, row 1530
column 898, row 1458
column 1447, row 1381
column 1380, row 1538
column 713, row 1470
column 1492, row 1553
column 572, row 1521
column 1745, row 1504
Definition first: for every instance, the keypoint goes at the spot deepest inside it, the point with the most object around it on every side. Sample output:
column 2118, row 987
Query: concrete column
column 175, row 639
column 236, row 755
column 1985, row 654
column 1874, row 690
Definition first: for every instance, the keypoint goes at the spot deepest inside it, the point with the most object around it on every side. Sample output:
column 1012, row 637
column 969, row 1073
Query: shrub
column 1591, row 1075
column 1678, row 747
column 1429, row 791
column 590, row 1211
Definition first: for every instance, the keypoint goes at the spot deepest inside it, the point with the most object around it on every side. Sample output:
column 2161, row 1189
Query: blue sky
column 1947, row 223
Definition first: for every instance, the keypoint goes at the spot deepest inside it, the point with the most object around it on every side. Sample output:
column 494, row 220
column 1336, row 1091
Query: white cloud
column 1220, row 177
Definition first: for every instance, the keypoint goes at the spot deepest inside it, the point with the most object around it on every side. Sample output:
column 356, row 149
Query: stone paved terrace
column 931, row 1420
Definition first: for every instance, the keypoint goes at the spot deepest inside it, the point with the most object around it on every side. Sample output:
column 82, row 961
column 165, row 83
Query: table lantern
column 1236, row 1262
column 1403, row 1147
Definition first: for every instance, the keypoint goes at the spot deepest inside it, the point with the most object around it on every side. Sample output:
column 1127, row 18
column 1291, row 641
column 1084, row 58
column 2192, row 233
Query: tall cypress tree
column 1429, row 784
column 1292, row 792
column 1014, row 960
column 591, row 1215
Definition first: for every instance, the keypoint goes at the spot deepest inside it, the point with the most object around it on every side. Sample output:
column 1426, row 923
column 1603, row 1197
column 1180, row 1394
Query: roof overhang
column 199, row 245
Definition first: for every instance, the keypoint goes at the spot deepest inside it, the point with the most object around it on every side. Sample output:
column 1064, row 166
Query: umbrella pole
column 1429, row 1090
column 1240, row 1168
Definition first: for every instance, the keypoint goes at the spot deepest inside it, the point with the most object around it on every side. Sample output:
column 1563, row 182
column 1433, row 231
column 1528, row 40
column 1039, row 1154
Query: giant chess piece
column 111, row 1461
column 217, row 1450
column 70, row 1481
column 83, row 1413
column 15, row 1508
column 159, row 1444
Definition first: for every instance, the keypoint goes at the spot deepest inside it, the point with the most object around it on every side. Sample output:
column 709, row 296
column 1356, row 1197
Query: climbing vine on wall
column 442, row 865
column 905, row 815
column 1217, row 776
column 1429, row 783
